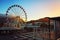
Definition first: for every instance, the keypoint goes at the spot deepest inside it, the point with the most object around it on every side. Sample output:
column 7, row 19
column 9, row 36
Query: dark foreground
column 16, row 36
column 23, row 35
column 13, row 37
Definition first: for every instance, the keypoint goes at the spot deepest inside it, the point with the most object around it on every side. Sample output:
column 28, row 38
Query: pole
column 55, row 28
column 49, row 28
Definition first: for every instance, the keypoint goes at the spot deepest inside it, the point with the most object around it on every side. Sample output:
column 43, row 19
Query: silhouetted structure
column 56, row 23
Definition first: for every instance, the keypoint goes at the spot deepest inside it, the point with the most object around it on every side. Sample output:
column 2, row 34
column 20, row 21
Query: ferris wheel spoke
column 11, row 14
column 16, row 10
column 21, row 13
column 13, row 11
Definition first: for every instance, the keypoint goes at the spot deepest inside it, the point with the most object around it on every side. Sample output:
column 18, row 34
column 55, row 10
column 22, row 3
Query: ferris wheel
column 17, row 10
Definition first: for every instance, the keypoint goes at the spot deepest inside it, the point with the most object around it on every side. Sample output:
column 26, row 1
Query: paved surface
column 23, row 36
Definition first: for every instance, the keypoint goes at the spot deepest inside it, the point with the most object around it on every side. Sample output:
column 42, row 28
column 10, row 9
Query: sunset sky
column 35, row 9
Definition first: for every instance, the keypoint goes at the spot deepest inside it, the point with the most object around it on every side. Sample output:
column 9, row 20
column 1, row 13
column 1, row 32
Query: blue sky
column 35, row 9
column 4, row 4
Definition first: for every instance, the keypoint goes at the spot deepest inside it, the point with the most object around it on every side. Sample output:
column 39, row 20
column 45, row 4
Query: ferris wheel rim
column 18, row 7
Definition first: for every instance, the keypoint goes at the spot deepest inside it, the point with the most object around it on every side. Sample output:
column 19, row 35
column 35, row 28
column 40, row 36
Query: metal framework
column 15, row 9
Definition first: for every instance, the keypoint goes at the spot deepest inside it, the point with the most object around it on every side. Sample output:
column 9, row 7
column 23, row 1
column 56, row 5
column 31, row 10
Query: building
column 56, row 23
column 11, row 23
column 50, row 27
column 53, row 32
